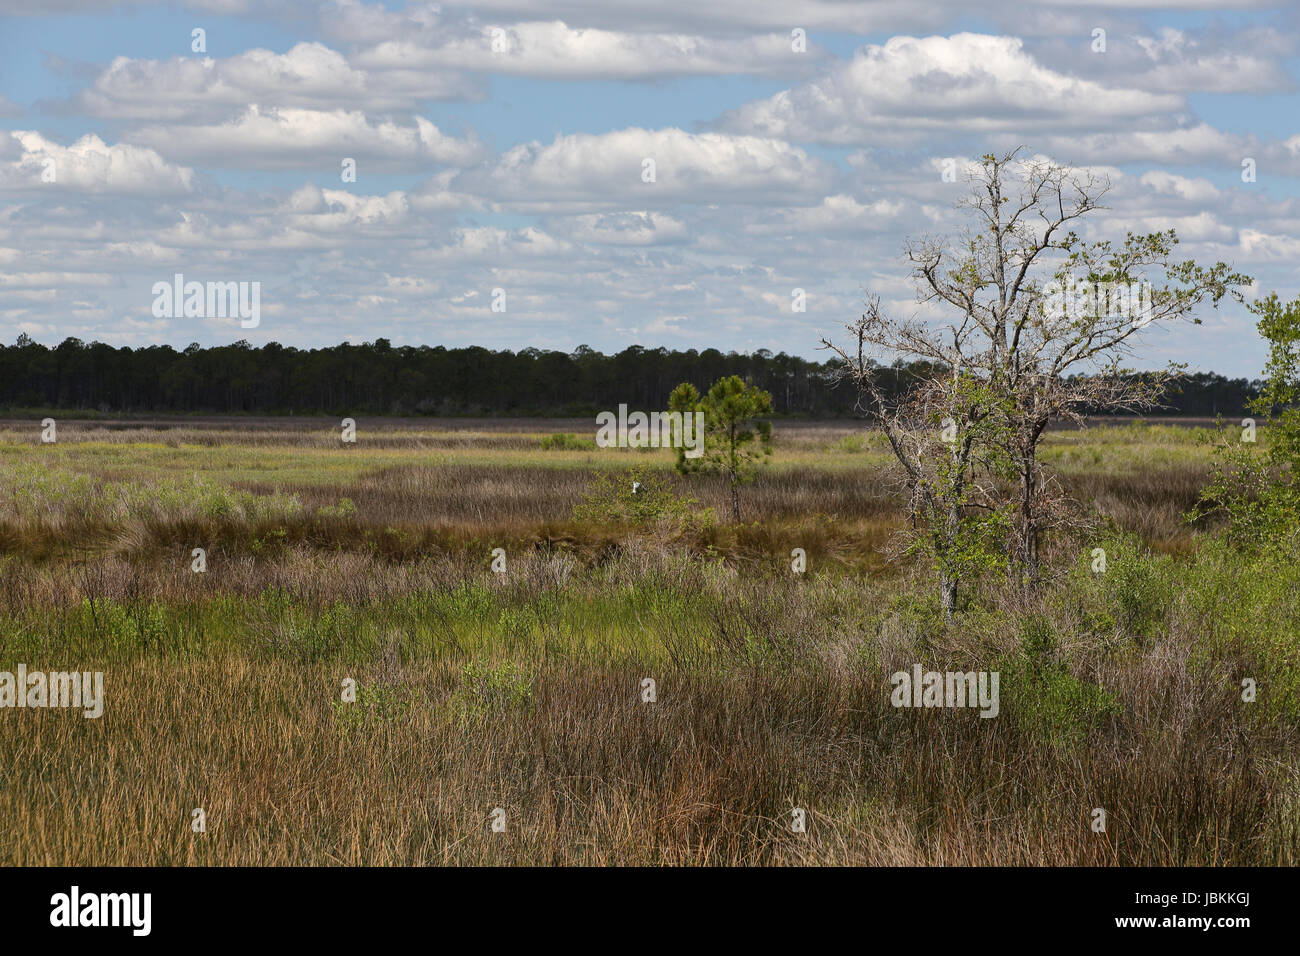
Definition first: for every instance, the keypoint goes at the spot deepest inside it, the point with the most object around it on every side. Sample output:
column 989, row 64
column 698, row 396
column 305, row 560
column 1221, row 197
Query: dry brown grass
column 587, row 774
column 772, row 689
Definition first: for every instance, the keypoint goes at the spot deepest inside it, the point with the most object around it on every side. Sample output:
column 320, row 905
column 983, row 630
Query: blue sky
column 520, row 169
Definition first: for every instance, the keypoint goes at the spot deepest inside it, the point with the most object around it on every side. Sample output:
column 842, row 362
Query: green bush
column 852, row 445
column 566, row 442
column 1133, row 596
column 639, row 497
column 376, row 705
column 1043, row 698
column 487, row 689
column 344, row 509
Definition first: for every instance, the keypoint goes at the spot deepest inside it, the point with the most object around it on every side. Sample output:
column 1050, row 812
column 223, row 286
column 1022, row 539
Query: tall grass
column 523, row 690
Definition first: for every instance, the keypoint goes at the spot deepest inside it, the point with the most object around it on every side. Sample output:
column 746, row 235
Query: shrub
column 566, row 442
column 1132, row 596
column 376, row 705
column 344, row 509
column 639, row 497
column 1041, row 695
column 487, row 689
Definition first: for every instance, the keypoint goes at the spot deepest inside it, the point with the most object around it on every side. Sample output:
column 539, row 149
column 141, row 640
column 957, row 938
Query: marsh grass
column 521, row 691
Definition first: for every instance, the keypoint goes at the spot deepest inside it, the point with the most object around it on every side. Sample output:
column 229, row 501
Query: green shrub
column 376, row 705
column 852, row 445
column 487, row 689
column 1132, row 596
column 639, row 497
column 566, row 442
column 344, row 509
column 1043, row 698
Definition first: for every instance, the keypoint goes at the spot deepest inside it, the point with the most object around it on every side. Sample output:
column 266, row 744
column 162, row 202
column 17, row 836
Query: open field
column 522, row 690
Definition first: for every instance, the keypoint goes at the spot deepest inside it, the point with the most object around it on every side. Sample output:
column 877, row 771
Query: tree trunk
column 735, row 503
column 948, row 577
column 948, row 594
column 1027, row 533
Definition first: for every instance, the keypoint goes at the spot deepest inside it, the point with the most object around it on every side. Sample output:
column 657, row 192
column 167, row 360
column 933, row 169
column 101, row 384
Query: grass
column 522, row 691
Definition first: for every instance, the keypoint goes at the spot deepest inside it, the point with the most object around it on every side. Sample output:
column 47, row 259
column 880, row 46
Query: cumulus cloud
column 626, row 229
column 554, row 49
column 726, row 15
column 1197, row 143
column 836, row 214
column 309, row 75
column 88, row 165
column 488, row 245
column 967, row 82
column 1171, row 184
column 1249, row 61
column 284, row 138
column 686, row 167
column 560, row 212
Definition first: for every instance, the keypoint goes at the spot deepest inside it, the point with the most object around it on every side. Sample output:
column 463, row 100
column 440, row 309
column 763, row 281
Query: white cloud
column 89, row 165
column 553, row 49
column 33, row 280
column 736, row 16
column 287, row 138
column 1260, row 246
column 1198, row 143
column 836, row 214
column 310, row 75
column 687, row 167
column 1179, row 61
column 968, row 82
column 1170, row 184
column 495, row 247
column 626, row 229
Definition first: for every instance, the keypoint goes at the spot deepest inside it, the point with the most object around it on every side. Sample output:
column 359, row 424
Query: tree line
column 379, row 378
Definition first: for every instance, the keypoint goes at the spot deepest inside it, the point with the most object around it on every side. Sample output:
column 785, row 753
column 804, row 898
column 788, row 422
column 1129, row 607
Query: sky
column 518, row 174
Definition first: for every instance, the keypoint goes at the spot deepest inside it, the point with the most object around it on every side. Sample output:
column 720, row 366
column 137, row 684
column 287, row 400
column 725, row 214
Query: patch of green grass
column 562, row 441
column 490, row 690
